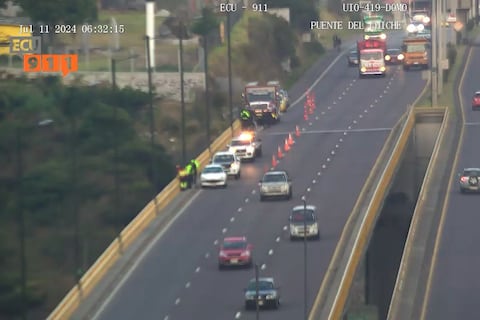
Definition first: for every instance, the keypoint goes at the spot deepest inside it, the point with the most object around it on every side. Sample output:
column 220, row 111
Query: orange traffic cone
column 305, row 114
column 274, row 162
column 279, row 153
column 290, row 139
column 297, row 131
column 286, row 146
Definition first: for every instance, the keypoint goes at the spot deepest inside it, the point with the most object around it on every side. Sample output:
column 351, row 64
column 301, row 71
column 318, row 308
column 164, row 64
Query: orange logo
column 64, row 63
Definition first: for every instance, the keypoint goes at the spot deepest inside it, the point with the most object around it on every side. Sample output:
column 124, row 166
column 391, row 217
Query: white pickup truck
column 246, row 146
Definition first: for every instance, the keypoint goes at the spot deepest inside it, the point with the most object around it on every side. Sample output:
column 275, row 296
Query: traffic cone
column 297, row 131
column 286, row 146
column 290, row 139
column 279, row 153
column 274, row 162
column 305, row 115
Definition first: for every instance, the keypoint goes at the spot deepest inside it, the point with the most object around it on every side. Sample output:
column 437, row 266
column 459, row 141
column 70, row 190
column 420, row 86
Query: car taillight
column 464, row 179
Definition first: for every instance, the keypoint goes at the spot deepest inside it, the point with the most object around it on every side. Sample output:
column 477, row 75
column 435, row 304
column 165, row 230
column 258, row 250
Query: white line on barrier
column 324, row 73
column 142, row 256
column 472, row 123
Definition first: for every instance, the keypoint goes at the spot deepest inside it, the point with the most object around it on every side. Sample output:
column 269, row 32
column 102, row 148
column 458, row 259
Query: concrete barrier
column 128, row 235
column 404, row 295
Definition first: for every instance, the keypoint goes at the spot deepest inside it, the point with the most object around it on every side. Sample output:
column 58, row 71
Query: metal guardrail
column 128, row 235
column 404, row 293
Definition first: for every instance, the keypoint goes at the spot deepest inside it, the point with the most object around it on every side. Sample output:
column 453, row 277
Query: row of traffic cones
column 287, row 145
column 309, row 106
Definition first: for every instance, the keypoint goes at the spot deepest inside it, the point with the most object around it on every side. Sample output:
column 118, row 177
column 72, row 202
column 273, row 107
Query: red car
column 476, row 101
column 235, row 251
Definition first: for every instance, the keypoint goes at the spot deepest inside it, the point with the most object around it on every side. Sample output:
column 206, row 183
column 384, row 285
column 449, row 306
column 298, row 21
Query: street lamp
column 115, row 142
column 21, row 214
column 152, row 124
column 229, row 63
column 305, row 304
column 257, row 293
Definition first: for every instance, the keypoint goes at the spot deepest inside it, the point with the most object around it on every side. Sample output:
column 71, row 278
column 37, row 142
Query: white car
column 275, row 184
column 301, row 217
column 213, row 175
column 246, row 146
column 229, row 161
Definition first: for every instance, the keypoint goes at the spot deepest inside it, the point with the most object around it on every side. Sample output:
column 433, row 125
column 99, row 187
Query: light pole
column 115, row 142
column 182, row 91
column 434, row 74
column 257, row 293
column 152, row 125
column 229, row 63
column 305, row 294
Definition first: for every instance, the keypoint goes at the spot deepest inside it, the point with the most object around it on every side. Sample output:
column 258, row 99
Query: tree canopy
column 59, row 11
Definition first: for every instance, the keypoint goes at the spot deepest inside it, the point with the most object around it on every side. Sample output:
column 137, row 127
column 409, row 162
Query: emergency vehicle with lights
column 263, row 102
column 373, row 28
column 371, row 57
column 415, row 53
column 246, row 146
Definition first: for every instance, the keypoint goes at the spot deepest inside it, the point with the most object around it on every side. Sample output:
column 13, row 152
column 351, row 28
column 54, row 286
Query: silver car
column 470, row 180
column 301, row 217
column 275, row 184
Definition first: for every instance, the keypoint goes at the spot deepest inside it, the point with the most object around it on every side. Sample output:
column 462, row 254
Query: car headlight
column 400, row 57
column 382, row 68
column 314, row 228
column 271, row 296
column 387, row 57
column 250, row 296
column 245, row 254
column 363, row 69
column 383, row 36
column 366, row 37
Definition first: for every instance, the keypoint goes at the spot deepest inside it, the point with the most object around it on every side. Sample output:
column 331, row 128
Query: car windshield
column 371, row 56
column 393, row 51
column 252, row 97
column 416, row 48
column 297, row 216
column 235, row 245
column 262, row 285
column 223, row 158
column 274, row 178
column 212, row 170
column 477, row 95
column 470, row 173
column 237, row 143
column 260, row 106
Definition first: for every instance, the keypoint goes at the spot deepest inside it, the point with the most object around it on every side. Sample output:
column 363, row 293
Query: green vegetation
column 66, row 138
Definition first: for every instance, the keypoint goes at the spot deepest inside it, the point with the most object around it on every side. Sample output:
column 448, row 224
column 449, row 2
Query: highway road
column 453, row 289
column 178, row 276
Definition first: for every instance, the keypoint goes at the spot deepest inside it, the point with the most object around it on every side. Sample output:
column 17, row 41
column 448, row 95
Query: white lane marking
column 324, row 73
column 215, row 242
column 323, row 166
column 224, row 230
column 316, row 117
column 285, row 228
column 335, row 131
column 340, row 98
column 385, row 91
column 380, row 96
column 332, row 152
column 232, row 219
column 270, row 252
column 263, row 267
column 309, row 123
column 238, row 315
column 239, row 210
column 277, row 239
column 322, row 113
column 247, row 200
column 376, row 101
column 366, row 110
column 360, row 116
column 304, row 129
column 187, row 285
column 340, row 140
column 166, row 318
column 314, row 181
column 337, row 146
column 140, row 259
column 349, row 128
column 345, row 133
column 328, row 159
column 308, row 189
column 177, row 302
column 207, row 255
column 319, row 173
column 371, row 106
column 253, row 191
column 197, row 270
column 472, row 123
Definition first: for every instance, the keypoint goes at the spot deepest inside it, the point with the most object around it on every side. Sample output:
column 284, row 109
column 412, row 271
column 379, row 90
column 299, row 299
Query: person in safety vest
column 184, row 178
column 195, row 165
column 246, row 119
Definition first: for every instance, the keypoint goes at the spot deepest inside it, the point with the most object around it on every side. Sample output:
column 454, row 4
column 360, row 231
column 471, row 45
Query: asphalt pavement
column 453, row 292
column 178, row 277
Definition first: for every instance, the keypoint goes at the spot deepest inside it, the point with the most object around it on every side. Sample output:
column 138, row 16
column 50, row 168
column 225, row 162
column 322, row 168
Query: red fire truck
column 371, row 57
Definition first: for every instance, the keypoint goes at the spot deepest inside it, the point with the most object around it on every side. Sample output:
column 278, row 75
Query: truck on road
column 371, row 58
column 415, row 52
